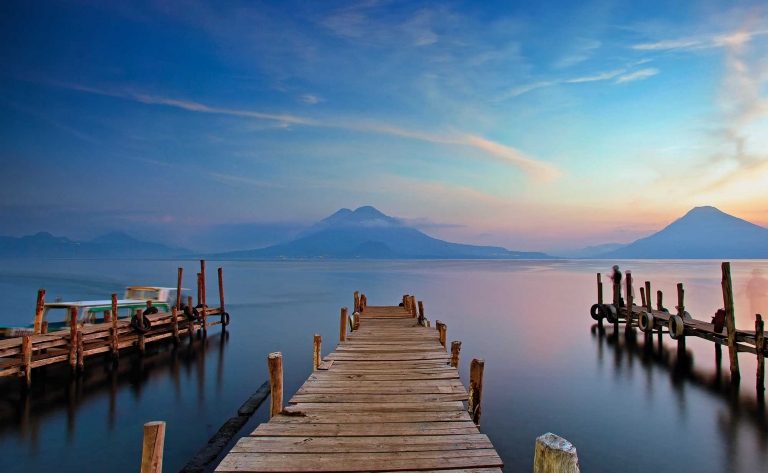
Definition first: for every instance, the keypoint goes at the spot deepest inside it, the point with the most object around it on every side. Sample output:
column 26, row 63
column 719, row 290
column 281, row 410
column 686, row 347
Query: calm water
column 625, row 406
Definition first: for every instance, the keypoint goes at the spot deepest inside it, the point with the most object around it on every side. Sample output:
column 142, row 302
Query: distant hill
column 591, row 251
column 368, row 233
column 112, row 245
column 702, row 233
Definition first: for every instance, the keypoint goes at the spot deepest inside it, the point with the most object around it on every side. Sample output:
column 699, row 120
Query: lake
column 625, row 406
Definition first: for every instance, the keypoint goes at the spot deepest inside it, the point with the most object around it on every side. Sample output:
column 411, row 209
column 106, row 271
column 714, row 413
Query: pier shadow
column 649, row 352
column 55, row 390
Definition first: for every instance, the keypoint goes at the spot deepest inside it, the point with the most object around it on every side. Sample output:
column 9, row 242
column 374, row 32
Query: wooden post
column 455, row 350
column 413, row 306
column 202, row 289
column 443, row 335
column 73, row 340
column 630, row 302
column 108, row 317
column 476, row 389
column 178, row 289
column 115, row 338
column 221, row 294
column 140, row 336
column 175, row 322
column 191, row 322
column 199, row 290
column 405, row 301
column 276, row 383
column 152, row 450
column 730, row 320
column 80, row 354
column 421, row 311
column 317, row 356
column 357, row 302
column 760, row 347
column 39, row 311
column 642, row 297
column 649, row 304
column 555, row 455
column 44, row 330
column 26, row 359
column 343, row 324
column 659, row 301
column 599, row 288
column 681, row 313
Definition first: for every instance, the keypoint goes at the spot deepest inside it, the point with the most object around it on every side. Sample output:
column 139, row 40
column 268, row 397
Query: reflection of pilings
column 47, row 397
column 220, row 365
column 682, row 373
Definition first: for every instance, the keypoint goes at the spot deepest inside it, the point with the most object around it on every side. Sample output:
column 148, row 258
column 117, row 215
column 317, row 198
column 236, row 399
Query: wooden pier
column 388, row 398
column 679, row 325
column 20, row 355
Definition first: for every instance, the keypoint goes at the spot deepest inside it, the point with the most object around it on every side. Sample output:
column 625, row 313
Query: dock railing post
column 39, row 311
column 760, row 347
column 555, row 455
column 343, row 324
column 178, row 289
column 73, row 339
column 730, row 320
column 275, row 361
column 115, row 338
column 317, row 358
column 152, row 449
column 474, row 408
column 455, row 351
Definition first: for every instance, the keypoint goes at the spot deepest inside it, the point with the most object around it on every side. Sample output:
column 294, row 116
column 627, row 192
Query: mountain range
column 369, row 234
column 112, row 245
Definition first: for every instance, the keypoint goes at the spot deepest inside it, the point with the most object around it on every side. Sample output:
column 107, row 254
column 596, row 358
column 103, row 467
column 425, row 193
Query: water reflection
column 54, row 390
column 738, row 408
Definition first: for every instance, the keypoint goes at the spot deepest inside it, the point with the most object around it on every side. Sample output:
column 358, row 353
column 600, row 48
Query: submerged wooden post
column 474, row 408
column 599, row 288
column 648, row 293
column 26, row 360
column 455, row 350
column 39, row 311
column 175, row 322
column 555, row 455
column 630, row 302
column 317, row 358
column 73, row 339
column 343, row 324
column 730, row 320
column 115, row 338
column 760, row 347
column 275, row 361
column 152, row 449
column 178, row 289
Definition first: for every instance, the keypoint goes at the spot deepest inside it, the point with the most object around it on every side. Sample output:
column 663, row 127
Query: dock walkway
column 386, row 399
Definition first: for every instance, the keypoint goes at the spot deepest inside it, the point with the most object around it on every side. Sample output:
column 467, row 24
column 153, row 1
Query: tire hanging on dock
column 191, row 313
column 676, row 327
column 142, row 326
column 225, row 319
column 597, row 312
column 645, row 322
column 610, row 314
column 151, row 310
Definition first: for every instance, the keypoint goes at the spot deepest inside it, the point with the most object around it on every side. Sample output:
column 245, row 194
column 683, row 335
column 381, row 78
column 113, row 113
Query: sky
column 544, row 125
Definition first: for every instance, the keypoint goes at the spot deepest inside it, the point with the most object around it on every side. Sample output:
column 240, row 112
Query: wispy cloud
column 637, row 75
column 580, row 51
column 539, row 171
column 311, row 99
column 597, row 77
column 666, row 45
column 711, row 41
column 522, row 89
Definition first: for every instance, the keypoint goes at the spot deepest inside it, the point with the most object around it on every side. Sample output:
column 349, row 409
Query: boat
column 92, row 312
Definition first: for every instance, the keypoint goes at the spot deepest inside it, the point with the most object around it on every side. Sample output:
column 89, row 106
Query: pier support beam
column 115, row 338
column 630, row 303
column 275, row 361
column 730, row 320
column 599, row 289
column 73, row 340
column 175, row 322
column 681, row 313
column 221, row 296
column 474, row 408
column 152, row 450
column 760, row 347
column 26, row 360
column 555, row 455
column 39, row 311
column 343, row 324
column 178, row 288
column 317, row 358
column 455, row 350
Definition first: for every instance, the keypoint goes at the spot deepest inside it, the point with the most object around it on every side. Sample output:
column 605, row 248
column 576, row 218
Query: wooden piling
column 343, row 324
column 455, row 350
column 648, row 293
column 80, row 355
column 681, row 313
column 26, row 360
column 114, row 335
column 199, row 290
column 202, row 288
column 474, row 408
column 178, row 288
column 730, row 320
column 191, row 322
column 413, row 306
column 405, row 301
column 73, row 339
column 357, row 302
column 43, row 330
column 39, row 307
column 555, row 455
column 642, row 298
column 221, row 295
column 108, row 317
column 421, row 311
column 140, row 336
column 175, row 322
column 659, row 301
column 630, row 302
column 599, row 288
column 275, row 361
column 443, row 335
column 317, row 358
column 152, row 449
column 760, row 347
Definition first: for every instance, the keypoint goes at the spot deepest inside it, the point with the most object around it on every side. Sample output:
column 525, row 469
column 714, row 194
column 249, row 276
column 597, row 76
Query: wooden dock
column 388, row 398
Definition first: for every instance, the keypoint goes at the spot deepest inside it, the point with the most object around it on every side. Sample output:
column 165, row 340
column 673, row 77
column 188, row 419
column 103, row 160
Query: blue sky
column 532, row 125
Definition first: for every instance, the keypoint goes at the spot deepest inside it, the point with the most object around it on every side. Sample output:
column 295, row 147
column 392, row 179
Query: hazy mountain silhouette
column 368, row 233
column 112, row 245
column 702, row 233
column 591, row 251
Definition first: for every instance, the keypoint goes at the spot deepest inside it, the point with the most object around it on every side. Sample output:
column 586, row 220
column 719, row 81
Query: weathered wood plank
column 361, row 444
